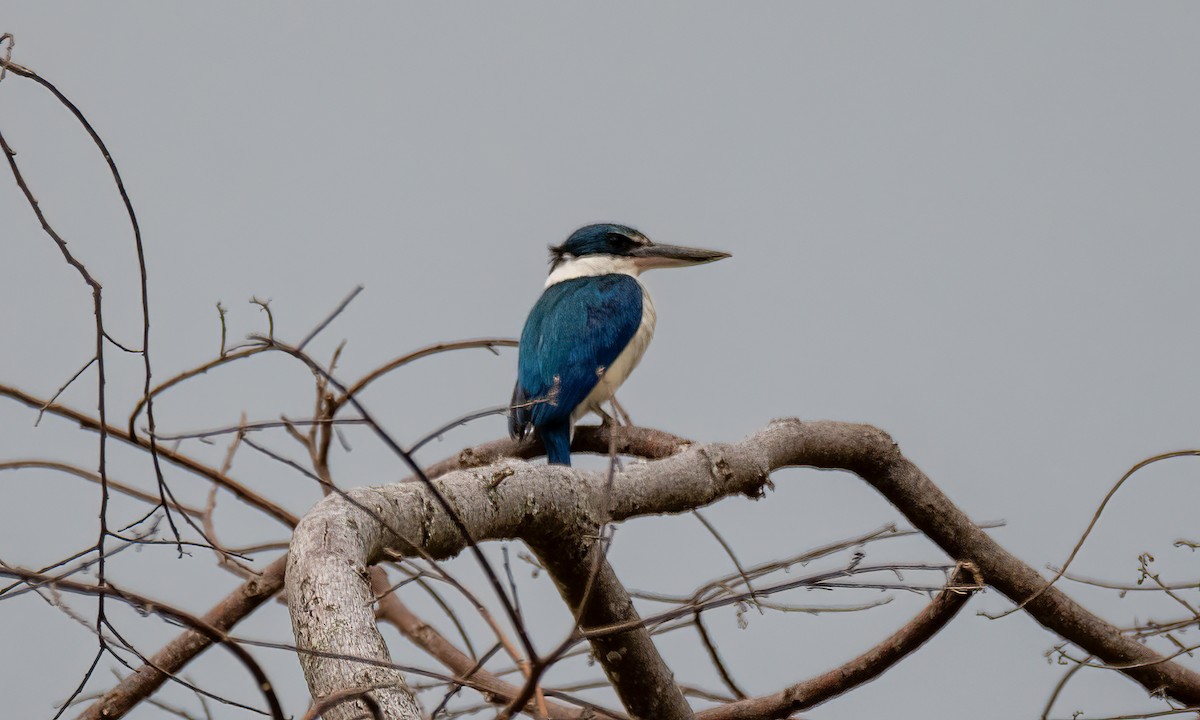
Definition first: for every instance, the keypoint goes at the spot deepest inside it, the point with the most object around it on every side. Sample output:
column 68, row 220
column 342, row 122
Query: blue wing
column 577, row 327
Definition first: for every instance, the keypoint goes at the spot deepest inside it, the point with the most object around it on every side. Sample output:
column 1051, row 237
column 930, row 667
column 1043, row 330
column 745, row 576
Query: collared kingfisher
column 588, row 330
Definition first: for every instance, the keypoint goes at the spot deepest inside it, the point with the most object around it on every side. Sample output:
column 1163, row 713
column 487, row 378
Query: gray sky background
column 973, row 226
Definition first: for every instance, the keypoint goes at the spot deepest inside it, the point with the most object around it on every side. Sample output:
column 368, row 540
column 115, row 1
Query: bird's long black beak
column 666, row 256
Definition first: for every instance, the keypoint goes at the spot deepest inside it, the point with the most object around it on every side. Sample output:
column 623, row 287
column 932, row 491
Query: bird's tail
column 557, row 440
column 519, row 414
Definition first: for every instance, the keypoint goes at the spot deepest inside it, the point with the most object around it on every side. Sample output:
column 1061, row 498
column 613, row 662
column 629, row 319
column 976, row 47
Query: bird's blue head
column 621, row 241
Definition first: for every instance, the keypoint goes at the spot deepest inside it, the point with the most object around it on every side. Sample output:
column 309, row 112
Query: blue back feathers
column 575, row 331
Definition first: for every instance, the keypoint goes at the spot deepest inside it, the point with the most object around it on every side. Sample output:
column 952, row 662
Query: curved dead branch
column 329, row 594
column 865, row 667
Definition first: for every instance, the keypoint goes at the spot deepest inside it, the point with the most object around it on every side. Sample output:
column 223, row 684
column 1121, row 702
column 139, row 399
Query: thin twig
column 159, row 608
column 62, row 389
column 1092, row 524
column 728, row 551
column 711, row 648
column 329, row 318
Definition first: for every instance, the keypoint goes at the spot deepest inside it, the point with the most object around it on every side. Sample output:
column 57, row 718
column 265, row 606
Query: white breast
column 624, row 364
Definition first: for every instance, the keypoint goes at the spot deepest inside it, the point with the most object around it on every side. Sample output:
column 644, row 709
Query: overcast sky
column 972, row 225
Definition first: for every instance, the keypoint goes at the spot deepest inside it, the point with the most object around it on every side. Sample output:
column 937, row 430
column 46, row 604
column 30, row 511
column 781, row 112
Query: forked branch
column 336, row 542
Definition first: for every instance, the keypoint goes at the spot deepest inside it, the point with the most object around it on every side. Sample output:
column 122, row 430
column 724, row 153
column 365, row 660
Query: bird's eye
column 621, row 242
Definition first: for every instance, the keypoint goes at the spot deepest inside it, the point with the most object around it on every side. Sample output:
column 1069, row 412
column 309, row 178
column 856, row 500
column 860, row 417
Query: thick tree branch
column 636, row 441
column 336, row 542
column 575, row 560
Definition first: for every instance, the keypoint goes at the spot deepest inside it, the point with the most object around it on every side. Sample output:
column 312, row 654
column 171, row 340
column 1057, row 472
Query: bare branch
column 575, row 560
column 535, row 503
column 357, row 387
column 713, row 655
column 1096, row 517
column 95, row 478
column 200, row 625
column 177, row 653
column 223, row 359
column 639, row 442
column 865, row 667
column 63, row 389
column 394, row 611
column 330, row 317
column 89, row 423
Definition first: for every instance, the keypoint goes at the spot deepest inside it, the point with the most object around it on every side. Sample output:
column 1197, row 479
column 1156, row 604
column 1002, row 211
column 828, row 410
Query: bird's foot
column 608, row 422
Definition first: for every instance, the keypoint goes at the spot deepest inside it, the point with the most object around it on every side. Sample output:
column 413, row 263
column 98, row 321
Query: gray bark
column 328, row 586
column 597, row 598
column 329, row 593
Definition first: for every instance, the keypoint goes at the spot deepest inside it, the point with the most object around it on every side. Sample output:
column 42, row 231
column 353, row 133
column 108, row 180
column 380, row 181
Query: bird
column 588, row 330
